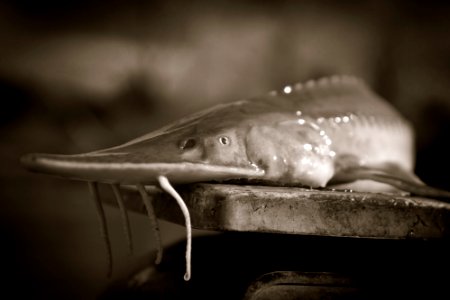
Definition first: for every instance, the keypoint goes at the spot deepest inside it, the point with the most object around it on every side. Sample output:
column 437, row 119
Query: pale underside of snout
column 103, row 169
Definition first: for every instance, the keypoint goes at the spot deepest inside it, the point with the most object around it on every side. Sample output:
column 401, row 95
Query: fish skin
column 305, row 134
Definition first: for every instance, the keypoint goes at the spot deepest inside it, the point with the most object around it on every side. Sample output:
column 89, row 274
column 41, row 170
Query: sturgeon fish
column 334, row 130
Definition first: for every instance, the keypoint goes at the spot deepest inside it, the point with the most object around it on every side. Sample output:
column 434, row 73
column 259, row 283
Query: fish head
column 194, row 152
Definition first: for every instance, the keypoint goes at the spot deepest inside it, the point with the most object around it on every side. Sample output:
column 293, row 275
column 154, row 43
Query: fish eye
column 224, row 140
column 187, row 144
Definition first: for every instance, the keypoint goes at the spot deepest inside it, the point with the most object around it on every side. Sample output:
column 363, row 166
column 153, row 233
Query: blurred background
column 76, row 76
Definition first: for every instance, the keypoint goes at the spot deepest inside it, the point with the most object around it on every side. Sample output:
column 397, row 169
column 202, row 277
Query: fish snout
column 99, row 167
column 29, row 160
column 38, row 162
column 133, row 169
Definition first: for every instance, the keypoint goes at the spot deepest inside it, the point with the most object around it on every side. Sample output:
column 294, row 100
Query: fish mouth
column 117, row 168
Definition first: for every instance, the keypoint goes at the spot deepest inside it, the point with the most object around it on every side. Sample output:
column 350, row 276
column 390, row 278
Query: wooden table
column 333, row 243
column 225, row 207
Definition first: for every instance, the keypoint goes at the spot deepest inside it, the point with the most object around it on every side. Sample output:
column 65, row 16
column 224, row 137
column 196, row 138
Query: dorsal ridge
column 334, row 81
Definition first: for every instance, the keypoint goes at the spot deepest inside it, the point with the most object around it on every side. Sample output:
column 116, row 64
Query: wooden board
column 225, row 207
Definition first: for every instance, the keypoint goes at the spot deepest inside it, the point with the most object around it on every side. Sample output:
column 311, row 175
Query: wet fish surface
column 305, row 134
column 331, row 131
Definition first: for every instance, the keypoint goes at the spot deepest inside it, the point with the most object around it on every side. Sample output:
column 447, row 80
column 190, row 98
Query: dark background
column 77, row 76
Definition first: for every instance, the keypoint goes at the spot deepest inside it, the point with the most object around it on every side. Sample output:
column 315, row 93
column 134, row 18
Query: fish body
column 331, row 131
column 306, row 134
